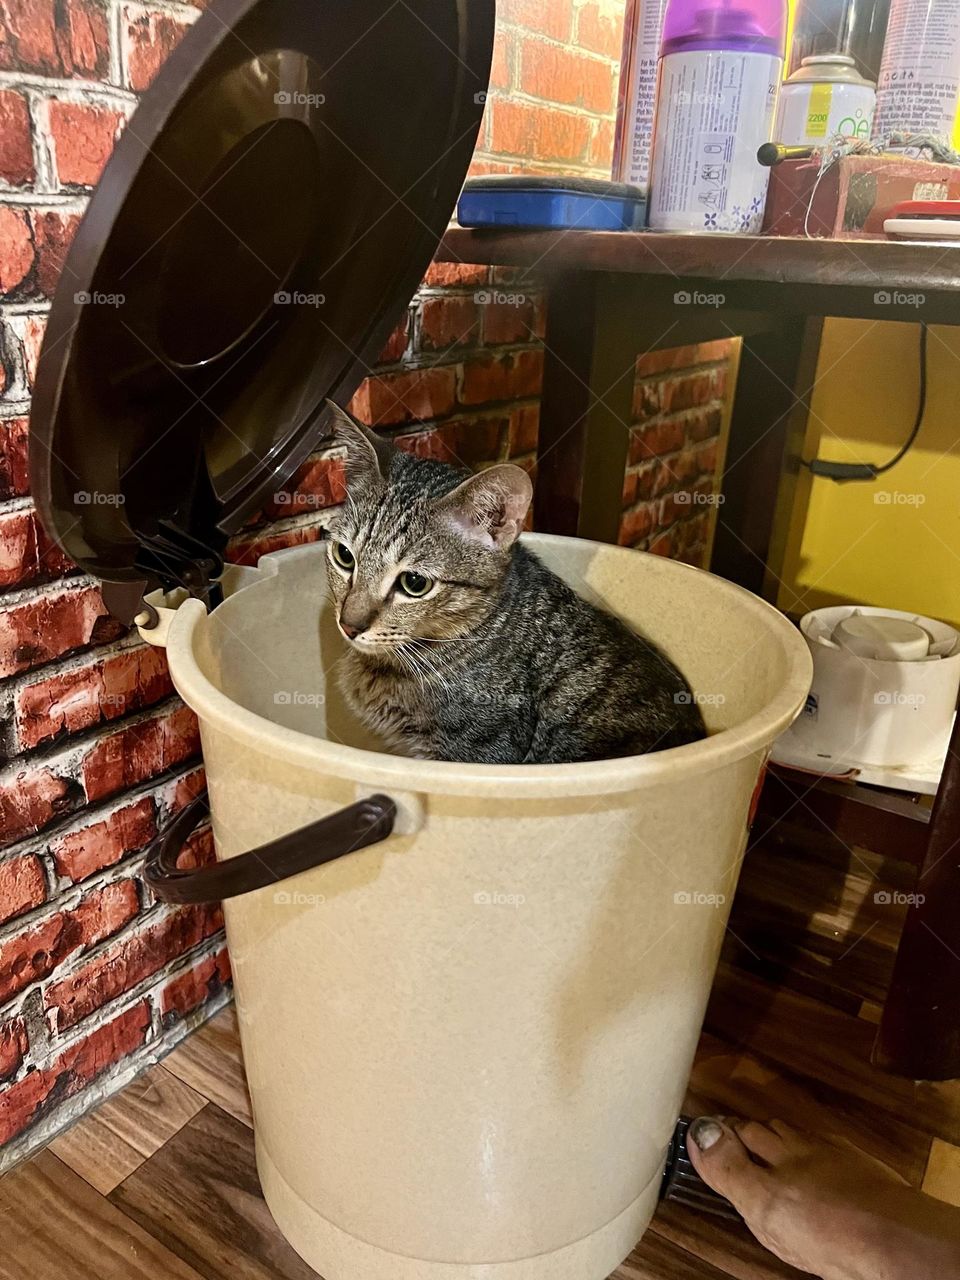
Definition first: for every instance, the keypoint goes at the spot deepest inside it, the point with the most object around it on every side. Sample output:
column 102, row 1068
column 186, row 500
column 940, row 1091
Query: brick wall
column 96, row 978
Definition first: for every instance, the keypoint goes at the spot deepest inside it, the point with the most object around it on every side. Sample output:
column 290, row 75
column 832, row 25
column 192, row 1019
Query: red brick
column 26, row 553
column 561, row 74
column 89, row 43
column 83, row 136
column 600, row 153
column 532, row 131
column 203, row 982
column 127, row 963
column 686, row 392
column 513, row 376
column 13, row 1046
column 647, row 399
column 33, row 954
column 504, row 57
column 32, row 797
column 465, row 442
column 448, row 322
column 704, row 424
column 52, row 624
column 510, row 316
column 636, row 524
column 103, row 690
column 198, row 850
column 150, row 37
column 31, row 340
column 629, row 493
column 405, row 397
column 177, row 796
column 14, row 467
column 16, row 147
column 54, row 37
column 396, row 344
column 139, row 752
column 706, row 457
column 249, row 549
column 600, row 29
column 524, row 429
column 22, row 886
column 671, row 358
column 656, row 439
column 442, row 274
column 23, row 1102
column 318, row 483
column 16, row 249
column 53, row 231
column 663, row 544
column 101, row 844
column 554, row 19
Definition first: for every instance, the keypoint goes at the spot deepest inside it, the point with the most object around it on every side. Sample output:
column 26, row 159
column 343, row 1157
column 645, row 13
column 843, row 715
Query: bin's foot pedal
column 682, row 1183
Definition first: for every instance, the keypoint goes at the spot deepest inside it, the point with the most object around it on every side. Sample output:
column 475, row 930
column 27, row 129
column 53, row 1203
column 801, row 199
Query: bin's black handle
column 355, row 827
column 683, row 1184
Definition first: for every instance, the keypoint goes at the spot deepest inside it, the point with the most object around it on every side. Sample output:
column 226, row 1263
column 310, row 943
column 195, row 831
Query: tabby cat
column 462, row 644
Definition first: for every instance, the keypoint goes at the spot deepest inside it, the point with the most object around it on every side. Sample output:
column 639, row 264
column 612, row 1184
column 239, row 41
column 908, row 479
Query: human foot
column 826, row 1207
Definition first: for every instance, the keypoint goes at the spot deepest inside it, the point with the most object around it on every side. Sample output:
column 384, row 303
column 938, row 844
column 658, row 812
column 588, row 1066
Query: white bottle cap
column 890, row 639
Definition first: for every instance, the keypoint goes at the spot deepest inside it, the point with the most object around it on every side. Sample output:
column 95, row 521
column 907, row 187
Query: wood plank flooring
column 160, row 1181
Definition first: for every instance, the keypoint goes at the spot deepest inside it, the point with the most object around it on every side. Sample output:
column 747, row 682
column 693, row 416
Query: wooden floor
column 160, row 1183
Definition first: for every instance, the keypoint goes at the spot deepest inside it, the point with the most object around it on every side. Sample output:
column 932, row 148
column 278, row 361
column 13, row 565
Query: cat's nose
column 349, row 631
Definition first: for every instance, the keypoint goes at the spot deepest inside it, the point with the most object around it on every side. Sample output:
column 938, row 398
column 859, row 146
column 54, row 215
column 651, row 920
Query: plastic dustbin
column 468, row 995
column 467, row 1043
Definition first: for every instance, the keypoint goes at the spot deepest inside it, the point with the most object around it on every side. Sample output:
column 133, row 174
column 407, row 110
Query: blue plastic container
column 589, row 204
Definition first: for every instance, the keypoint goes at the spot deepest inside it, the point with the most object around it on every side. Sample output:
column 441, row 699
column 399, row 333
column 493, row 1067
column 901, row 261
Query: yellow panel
column 893, row 541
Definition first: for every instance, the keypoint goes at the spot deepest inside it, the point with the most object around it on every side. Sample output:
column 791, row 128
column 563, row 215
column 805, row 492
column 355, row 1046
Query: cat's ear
column 490, row 507
column 368, row 456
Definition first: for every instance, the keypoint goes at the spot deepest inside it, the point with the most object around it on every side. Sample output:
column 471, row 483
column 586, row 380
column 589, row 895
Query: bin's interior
column 274, row 647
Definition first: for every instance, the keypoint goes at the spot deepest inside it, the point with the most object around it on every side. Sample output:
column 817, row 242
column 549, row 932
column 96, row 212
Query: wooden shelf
column 809, row 277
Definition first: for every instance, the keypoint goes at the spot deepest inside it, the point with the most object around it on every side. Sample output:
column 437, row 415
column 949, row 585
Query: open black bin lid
column 260, row 228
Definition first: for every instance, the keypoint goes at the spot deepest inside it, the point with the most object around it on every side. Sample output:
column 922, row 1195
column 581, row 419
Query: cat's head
column 417, row 550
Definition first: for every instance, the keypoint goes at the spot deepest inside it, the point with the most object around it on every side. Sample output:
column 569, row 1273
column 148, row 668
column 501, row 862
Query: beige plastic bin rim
column 526, row 781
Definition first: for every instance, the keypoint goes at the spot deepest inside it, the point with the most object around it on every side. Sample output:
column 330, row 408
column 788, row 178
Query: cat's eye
column 343, row 556
column 414, row 584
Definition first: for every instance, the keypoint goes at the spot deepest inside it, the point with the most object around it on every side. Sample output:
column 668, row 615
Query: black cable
column 868, row 470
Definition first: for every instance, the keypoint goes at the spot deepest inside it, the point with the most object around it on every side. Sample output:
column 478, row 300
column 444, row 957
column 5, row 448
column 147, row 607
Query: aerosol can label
column 810, row 114
column 919, row 80
column 714, row 109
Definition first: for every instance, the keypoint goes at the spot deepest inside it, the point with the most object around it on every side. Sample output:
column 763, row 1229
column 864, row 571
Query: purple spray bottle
column 721, row 62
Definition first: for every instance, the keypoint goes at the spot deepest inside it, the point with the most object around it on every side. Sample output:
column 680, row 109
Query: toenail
column 705, row 1132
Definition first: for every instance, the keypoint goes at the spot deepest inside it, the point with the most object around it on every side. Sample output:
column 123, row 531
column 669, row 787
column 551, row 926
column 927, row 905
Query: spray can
column 720, row 68
column 826, row 96
column 919, row 80
column 642, row 26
